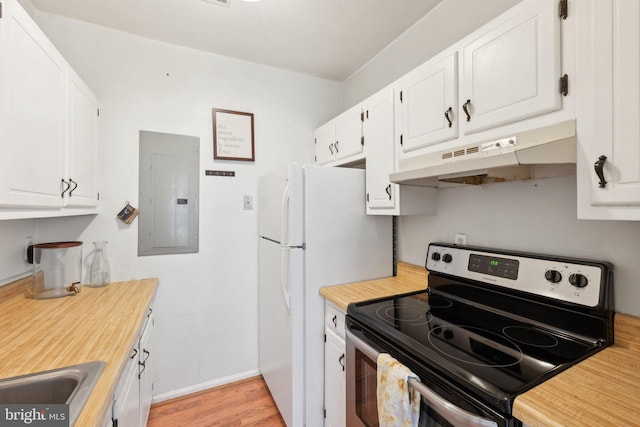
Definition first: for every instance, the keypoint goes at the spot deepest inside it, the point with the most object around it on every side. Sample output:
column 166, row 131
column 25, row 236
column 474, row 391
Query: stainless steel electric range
column 491, row 325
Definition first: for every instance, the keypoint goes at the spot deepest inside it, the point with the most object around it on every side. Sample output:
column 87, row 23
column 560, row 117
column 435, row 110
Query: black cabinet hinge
column 98, row 196
column 325, row 337
column 324, row 411
column 401, row 143
column 98, row 112
column 362, row 140
column 367, row 197
column 362, row 116
column 0, row 9
column 564, row 85
column 315, row 159
column 563, row 9
column 401, row 96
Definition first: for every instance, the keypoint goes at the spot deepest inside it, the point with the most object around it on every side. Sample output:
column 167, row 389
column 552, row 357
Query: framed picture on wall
column 233, row 135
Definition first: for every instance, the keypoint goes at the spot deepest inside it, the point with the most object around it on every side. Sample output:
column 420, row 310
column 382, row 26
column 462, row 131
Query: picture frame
column 233, row 135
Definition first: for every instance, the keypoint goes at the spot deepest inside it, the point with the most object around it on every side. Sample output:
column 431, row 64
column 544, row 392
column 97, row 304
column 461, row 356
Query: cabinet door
column 147, row 358
column 324, row 139
column 427, row 111
column 511, row 70
column 82, row 150
column 335, row 381
column 348, row 128
column 32, row 113
column 126, row 410
column 608, row 109
column 378, row 134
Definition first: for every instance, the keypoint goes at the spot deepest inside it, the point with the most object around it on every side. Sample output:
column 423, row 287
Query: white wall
column 538, row 216
column 207, row 302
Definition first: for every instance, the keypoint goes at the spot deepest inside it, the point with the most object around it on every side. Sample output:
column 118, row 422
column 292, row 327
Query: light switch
column 248, row 203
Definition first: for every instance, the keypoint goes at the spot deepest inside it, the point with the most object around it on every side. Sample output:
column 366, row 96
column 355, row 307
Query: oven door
column 438, row 408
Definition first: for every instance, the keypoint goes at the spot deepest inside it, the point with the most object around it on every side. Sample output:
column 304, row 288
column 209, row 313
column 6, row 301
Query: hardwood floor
column 243, row 403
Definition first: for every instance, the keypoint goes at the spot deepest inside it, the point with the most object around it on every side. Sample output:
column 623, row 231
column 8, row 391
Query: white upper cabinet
column 324, row 138
column 82, row 149
column 48, row 126
column 32, row 113
column 378, row 132
column 341, row 141
column 427, row 104
column 384, row 197
column 511, row 68
column 348, row 127
column 608, row 109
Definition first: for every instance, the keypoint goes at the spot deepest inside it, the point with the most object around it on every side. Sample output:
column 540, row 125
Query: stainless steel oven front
column 441, row 405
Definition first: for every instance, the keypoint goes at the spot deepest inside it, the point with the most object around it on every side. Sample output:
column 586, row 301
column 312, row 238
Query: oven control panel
column 570, row 280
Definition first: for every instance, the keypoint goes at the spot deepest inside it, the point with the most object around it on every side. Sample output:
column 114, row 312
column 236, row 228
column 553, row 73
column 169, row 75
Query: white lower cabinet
column 335, row 394
column 134, row 391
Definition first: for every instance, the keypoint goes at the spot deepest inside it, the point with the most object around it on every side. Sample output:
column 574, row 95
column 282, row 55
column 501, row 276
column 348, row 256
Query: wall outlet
column 248, row 203
column 460, row 239
column 28, row 241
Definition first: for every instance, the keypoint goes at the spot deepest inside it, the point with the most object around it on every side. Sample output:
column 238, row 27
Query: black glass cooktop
column 479, row 348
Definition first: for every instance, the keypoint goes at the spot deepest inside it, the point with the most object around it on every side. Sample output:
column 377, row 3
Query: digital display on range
column 494, row 266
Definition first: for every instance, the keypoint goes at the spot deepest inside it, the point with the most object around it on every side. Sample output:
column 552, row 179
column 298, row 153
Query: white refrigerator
column 313, row 232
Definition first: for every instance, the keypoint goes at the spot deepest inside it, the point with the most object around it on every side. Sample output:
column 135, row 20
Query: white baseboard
column 204, row 386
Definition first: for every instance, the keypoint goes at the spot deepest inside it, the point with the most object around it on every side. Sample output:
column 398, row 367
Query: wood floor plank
column 243, row 403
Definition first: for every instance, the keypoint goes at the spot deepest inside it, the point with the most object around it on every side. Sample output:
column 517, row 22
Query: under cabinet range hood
column 539, row 153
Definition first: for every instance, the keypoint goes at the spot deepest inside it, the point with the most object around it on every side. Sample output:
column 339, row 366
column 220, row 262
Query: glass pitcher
column 100, row 273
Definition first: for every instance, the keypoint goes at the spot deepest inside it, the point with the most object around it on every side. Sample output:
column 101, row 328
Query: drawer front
column 334, row 319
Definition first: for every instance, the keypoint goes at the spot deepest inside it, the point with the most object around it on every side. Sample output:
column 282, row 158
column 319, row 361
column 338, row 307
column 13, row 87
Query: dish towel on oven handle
column 398, row 404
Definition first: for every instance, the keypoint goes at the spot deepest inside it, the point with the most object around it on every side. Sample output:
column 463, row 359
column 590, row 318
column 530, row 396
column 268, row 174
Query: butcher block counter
column 409, row 278
column 95, row 324
column 603, row 390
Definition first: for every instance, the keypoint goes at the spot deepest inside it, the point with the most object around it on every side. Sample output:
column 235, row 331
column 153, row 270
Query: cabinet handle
column 331, row 148
column 599, row 168
column 75, row 185
column 142, row 370
column 147, row 354
column 68, row 185
column 448, row 117
column 465, row 107
column 335, row 145
column 135, row 352
column 335, row 321
column 341, row 361
column 388, row 190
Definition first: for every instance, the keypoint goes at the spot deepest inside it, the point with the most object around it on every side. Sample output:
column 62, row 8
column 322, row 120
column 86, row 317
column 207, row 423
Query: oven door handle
column 452, row 413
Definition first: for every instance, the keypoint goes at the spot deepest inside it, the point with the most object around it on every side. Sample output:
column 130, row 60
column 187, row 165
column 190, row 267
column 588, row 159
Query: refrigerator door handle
column 284, row 216
column 284, row 278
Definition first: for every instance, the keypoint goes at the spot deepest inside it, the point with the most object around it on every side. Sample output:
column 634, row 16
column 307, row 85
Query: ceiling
column 325, row 38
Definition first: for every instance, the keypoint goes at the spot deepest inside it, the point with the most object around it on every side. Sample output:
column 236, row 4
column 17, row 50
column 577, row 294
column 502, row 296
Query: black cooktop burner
column 457, row 342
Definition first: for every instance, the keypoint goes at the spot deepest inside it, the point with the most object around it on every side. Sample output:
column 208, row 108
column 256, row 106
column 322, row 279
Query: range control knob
column 435, row 256
column 578, row 280
column 553, row 276
column 447, row 258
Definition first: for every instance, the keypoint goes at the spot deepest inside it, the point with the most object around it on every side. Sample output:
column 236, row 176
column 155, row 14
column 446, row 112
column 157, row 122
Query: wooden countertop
column 603, row 390
column 410, row 278
column 95, row 324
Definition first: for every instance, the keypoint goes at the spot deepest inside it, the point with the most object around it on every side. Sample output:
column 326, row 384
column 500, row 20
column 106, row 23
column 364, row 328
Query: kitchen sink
column 71, row 385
